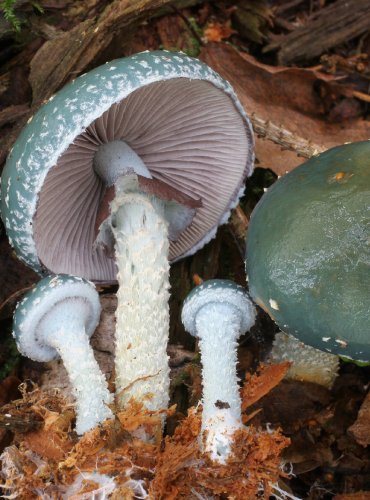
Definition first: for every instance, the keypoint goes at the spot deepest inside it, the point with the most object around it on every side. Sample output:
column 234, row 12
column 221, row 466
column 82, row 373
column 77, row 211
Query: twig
column 285, row 138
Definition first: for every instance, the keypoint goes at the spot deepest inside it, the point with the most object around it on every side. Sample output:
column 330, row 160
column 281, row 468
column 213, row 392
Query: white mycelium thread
column 140, row 231
column 218, row 312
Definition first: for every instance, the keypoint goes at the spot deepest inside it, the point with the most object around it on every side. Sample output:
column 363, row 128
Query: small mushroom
column 308, row 252
column 57, row 318
column 218, row 312
column 129, row 167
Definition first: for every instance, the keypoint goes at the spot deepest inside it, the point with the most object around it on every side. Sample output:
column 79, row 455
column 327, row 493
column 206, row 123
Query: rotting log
column 329, row 27
column 70, row 53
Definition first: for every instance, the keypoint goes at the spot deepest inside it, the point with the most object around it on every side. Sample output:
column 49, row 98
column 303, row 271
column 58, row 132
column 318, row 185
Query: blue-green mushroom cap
column 218, row 291
column 182, row 119
column 308, row 251
column 38, row 305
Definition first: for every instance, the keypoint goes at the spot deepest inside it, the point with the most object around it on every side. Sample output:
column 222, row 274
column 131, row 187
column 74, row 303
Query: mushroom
column 308, row 254
column 56, row 318
column 140, row 151
column 218, row 312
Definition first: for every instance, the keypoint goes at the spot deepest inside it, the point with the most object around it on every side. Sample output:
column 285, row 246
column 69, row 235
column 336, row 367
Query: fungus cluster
column 127, row 168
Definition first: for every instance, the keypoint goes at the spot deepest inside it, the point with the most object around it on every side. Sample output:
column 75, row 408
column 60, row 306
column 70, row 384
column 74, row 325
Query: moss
column 9, row 357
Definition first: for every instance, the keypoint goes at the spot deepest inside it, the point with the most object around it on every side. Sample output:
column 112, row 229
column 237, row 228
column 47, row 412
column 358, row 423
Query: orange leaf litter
column 54, row 462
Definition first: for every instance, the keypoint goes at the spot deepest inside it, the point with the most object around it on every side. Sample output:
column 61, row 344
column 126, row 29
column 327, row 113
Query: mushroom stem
column 218, row 328
column 218, row 312
column 56, row 318
column 141, row 247
column 89, row 385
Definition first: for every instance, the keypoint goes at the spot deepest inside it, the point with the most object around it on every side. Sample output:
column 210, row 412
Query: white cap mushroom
column 56, row 318
column 140, row 151
column 218, row 312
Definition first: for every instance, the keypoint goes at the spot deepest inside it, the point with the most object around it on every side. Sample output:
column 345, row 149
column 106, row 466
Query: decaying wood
column 69, row 54
column 13, row 114
column 331, row 26
column 15, row 279
column 19, row 424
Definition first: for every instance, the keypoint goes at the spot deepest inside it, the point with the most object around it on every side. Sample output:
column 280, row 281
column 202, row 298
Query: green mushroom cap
column 308, row 251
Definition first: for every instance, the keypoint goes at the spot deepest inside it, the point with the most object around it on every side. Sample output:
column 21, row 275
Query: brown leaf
column 49, row 445
column 284, row 97
column 361, row 428
column 307, row 454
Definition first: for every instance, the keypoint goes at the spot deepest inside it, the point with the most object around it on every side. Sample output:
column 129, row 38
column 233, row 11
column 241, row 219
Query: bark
column 331, row 26
column 72, row 52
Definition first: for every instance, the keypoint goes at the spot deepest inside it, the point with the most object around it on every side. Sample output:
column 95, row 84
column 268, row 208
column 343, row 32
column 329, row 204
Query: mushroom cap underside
column 177, row 114
column 218, row 291
column 42, row 300
column 308, row 251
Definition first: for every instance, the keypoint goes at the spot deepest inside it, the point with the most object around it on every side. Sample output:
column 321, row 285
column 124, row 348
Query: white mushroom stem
column 218, row 327
column 89, row 385
column 141, row 248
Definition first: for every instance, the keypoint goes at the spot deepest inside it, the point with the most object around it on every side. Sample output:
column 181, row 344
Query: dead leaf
column 49, row 445
column 216, row 32
column 284, row 97
column 361, row 428
column 252, row 19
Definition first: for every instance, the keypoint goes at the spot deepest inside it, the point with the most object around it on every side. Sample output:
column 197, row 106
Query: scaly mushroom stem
column 218, row 327
column 308, row 364
column 89, row 385
column 141, row 247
